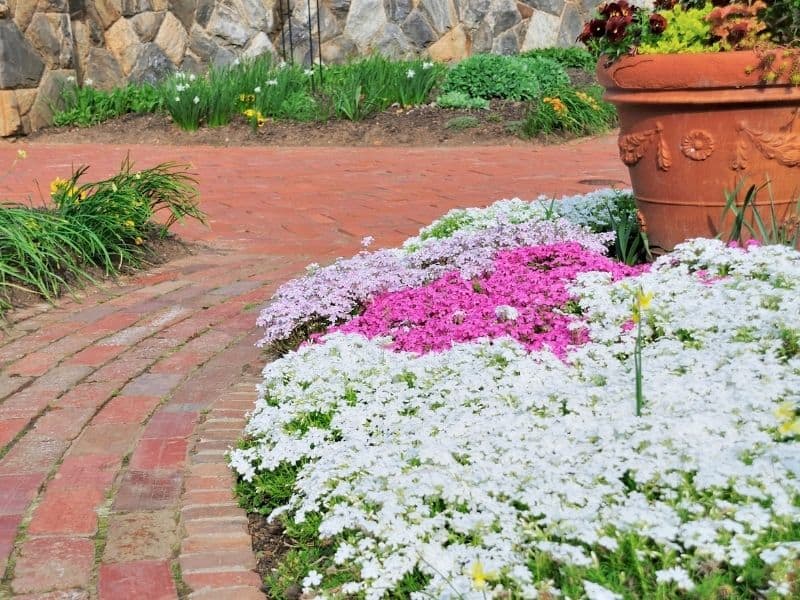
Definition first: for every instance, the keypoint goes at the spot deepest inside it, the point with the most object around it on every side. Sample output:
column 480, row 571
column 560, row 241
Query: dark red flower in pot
column 598, row 27
column 617, row 9
column 616, row 27
column 657, row 23
column 586, row 34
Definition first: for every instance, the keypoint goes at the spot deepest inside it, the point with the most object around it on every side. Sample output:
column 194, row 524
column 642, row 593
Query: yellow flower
column 139, row 241
column 479, row 576
column 785, row 411
column 22, row 154
column 587, row 99
column 789, row 427
column 57, row 185
column 129, row 223
column 557, row 105
column 643, row 299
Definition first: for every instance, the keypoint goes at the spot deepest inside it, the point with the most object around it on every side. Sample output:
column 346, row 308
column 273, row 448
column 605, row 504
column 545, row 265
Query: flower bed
column 407, row 458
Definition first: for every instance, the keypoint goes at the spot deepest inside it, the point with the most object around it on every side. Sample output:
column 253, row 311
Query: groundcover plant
column 510, row 462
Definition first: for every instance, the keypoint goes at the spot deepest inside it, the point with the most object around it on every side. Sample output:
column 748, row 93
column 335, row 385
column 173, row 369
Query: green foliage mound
column 493, row 76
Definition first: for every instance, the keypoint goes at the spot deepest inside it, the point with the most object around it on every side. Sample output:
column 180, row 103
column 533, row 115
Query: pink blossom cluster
column 522, row 297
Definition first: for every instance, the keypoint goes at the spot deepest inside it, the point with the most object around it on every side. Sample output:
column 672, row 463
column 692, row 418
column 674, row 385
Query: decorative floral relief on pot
column 697, row 144
column 783, row 147
column 633, row 146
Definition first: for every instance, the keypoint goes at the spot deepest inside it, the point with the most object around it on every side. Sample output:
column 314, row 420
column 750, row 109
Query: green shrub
column 460, row 100
column 493, row 76
column 569, row 58
column 550, row 75
column 85, row 106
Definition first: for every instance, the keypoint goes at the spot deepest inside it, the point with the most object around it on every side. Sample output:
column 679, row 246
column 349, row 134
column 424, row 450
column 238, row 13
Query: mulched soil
column 270, row 546
column 418, row 126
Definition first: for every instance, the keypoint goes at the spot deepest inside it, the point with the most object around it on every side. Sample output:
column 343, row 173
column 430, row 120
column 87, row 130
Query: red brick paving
column 116, row 408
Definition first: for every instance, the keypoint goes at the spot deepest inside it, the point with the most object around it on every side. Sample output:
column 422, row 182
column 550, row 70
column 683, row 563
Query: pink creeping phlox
column 521, row 297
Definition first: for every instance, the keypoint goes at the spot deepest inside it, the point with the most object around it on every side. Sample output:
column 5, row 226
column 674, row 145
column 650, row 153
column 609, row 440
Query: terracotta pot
column 695, row 125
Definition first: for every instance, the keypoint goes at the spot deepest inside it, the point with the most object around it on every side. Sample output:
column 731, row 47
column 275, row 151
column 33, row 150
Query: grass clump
column 579, row 112
column 85, row 106
column 461, row 100
column 463, row 122
column 102, row 226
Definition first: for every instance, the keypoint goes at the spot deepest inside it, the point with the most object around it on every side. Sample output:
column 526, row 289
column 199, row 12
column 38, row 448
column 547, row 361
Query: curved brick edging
column 116, row 408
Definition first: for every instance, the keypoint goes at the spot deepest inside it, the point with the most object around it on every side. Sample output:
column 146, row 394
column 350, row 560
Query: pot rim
column 700, row 71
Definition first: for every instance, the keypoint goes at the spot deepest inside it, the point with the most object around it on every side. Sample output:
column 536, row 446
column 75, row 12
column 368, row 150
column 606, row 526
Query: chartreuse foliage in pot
column 92, row 228
column 689, row 26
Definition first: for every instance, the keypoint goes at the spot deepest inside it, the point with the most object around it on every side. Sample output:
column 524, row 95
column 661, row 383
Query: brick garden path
column 116, row 408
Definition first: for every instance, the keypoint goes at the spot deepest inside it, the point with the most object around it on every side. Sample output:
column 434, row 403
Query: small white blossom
column 192, row 76
column 196, row 99
column 506, row 313
column 312, row 580
column 676, row 575
column 427, row 65
column 257, row 90
column 88, row 82
column 308, row 72
column 177, row 98
column 410, row 73
column 598, row 592
column 272, row 82
column 367, row 240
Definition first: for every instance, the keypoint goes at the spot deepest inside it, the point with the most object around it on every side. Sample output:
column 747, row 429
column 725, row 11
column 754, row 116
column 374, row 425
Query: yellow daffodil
column 641, row 304
column 129, row 224
column 643, row 299
column 479, row 576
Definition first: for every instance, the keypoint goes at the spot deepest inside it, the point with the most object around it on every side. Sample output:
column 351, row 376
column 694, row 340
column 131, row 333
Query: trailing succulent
column 685, row 26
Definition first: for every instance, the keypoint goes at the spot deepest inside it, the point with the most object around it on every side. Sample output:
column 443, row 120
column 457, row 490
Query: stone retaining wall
column 105, row 43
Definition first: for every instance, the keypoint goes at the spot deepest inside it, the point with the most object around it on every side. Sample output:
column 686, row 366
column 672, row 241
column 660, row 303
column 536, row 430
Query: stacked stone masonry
column 45, row 44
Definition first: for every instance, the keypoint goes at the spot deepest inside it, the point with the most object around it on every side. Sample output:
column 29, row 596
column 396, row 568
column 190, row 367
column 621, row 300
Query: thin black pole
column 310, row 43
column 319, row 46
column 283, row 29
column 291, row 37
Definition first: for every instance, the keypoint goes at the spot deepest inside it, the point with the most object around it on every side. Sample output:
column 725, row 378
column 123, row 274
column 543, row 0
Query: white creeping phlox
column 485, row 454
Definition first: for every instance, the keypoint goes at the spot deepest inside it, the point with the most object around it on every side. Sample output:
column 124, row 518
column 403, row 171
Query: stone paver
column 117, row 406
